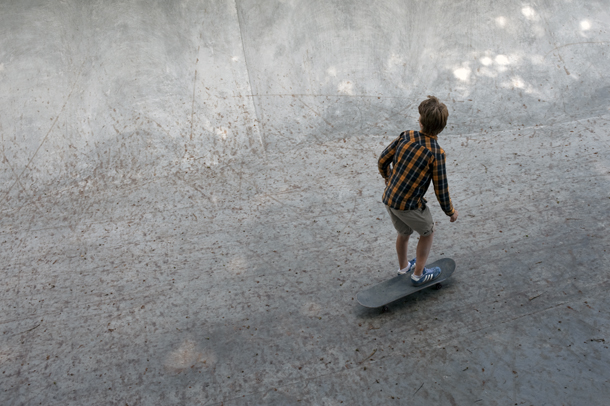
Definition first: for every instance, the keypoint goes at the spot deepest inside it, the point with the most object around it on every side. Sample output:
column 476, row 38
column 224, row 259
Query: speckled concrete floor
column 190, row 203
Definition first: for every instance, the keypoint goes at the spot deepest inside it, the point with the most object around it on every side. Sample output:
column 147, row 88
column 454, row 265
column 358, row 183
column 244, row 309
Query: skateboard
column 400, row 286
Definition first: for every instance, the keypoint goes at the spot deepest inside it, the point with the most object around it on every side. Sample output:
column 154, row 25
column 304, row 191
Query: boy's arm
column 441, row 186
column 386, row 159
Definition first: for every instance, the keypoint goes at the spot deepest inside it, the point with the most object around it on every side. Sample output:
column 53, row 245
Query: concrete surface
column 190, row 202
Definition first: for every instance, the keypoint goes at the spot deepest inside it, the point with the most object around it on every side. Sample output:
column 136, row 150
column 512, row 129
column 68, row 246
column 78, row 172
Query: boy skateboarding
column 408, row 165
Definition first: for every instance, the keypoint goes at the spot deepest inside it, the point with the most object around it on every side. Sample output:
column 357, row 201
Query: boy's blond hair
column 433, row 115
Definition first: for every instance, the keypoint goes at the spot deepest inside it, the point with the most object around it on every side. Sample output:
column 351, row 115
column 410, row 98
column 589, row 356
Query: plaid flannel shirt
column 416, row 159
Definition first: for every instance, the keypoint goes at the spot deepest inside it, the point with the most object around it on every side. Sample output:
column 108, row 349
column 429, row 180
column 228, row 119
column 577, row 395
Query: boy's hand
column 454, row 216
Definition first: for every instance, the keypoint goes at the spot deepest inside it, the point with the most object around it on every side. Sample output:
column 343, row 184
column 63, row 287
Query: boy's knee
column 428, row 233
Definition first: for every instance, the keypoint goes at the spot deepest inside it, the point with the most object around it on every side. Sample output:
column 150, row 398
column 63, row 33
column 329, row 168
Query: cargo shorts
column 407, row 221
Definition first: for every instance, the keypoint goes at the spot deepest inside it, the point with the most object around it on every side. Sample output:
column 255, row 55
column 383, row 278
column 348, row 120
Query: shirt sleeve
column 441, row 186
column 386, row 159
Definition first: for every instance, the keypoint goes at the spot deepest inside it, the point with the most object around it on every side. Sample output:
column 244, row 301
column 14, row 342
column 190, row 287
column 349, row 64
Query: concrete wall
column 107, row 91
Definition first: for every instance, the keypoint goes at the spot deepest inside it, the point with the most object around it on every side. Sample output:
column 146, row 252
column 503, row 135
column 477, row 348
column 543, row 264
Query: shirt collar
column 434, row 137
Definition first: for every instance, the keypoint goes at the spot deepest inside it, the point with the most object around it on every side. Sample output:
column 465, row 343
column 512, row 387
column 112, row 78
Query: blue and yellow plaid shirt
column 416, row 159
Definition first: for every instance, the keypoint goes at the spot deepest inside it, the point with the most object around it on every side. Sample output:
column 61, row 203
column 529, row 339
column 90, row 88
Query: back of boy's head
column 433, row 115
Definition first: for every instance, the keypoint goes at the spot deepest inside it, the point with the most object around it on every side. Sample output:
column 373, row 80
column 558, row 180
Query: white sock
column 415, row 277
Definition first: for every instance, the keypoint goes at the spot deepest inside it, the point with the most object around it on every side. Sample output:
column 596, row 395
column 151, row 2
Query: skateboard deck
column 400, row 286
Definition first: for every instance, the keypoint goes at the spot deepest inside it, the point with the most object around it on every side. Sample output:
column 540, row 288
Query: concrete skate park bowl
column 190, row 202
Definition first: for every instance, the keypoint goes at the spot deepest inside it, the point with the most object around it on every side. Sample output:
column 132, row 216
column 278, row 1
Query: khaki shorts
column 407, row 221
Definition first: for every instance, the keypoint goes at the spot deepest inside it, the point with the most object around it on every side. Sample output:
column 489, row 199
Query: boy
column 417, row 159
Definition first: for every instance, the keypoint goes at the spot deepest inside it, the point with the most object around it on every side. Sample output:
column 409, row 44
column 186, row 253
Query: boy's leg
column 402, row 239
column 402, row 244
column 422, row 252
column 414, row 220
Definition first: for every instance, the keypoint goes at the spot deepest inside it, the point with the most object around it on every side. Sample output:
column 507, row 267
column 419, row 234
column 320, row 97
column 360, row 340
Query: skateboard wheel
column 385, row 309
column 438, row 286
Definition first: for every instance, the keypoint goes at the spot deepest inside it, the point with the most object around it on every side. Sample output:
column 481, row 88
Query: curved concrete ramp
column 189, row 202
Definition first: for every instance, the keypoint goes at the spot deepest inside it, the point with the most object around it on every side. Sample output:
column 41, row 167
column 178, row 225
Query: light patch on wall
column 1, row 67
column 332, row 71
column 235, row 58
column 501, row 21
column 394, row 60
column 346, row 87
column 462, row 74
column 222, row 133
column 518, row 82
column 188, row 356
column 585, row 25
column 486, row 61
column 502, row 60
column 530, row 13
column 238, row 265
